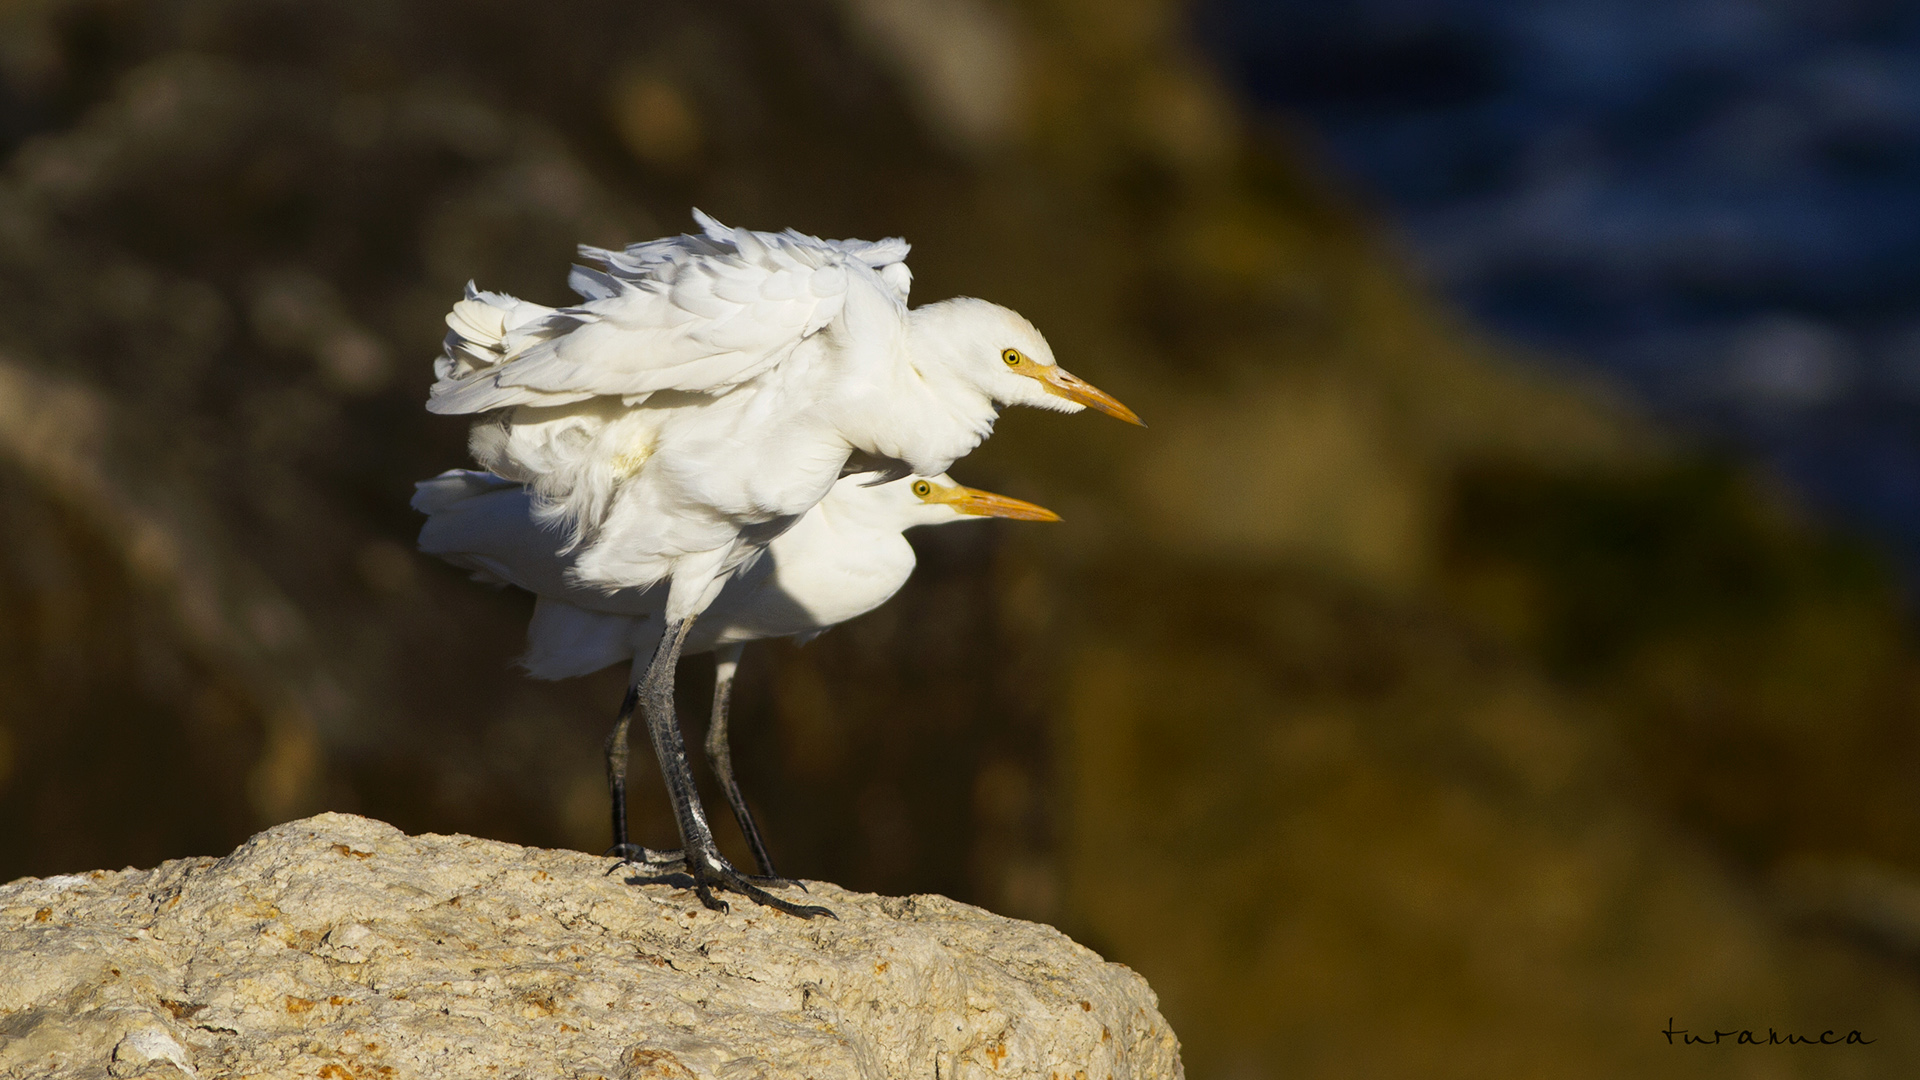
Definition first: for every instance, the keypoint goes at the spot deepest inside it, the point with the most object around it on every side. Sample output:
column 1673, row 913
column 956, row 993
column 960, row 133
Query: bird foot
column 710, row 871
column 636, row 855
column 640, row 855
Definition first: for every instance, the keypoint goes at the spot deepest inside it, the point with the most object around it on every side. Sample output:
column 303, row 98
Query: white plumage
column 705, row 394
column 843, row 558
column 709, row 389
column 696, row 313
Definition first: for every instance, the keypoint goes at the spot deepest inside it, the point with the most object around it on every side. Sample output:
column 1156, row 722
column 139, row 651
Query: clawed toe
column 705, row 875
column 773, row 881
column 745, row 885
column 638, row 855
column 767, row 899
column 679, row 879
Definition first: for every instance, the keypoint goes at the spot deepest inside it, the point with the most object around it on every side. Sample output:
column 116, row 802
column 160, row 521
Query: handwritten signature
column 1746, row 1037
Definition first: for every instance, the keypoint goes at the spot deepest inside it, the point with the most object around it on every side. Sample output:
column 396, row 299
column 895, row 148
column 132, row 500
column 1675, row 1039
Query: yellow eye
column 922, row 488
column 1012, row 357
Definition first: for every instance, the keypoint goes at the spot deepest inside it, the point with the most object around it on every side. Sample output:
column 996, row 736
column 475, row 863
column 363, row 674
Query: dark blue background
column 1716, row 203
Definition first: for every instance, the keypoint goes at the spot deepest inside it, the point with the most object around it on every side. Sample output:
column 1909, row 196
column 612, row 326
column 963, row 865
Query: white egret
column 706, row 393
column 843, row 558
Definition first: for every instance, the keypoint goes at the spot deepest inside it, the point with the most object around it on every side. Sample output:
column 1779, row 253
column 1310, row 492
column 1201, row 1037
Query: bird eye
column 922, row 488
column 1012, row 357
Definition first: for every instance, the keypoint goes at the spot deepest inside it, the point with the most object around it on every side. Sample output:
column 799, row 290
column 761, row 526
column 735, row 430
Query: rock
column 339, row 947
column 146, row 1047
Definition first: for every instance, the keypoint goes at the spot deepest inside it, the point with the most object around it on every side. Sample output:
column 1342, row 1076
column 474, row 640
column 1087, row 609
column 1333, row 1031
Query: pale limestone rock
column 339, row 947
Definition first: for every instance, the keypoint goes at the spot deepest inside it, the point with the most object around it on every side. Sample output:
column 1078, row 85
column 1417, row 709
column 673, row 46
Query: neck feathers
column 929, row 413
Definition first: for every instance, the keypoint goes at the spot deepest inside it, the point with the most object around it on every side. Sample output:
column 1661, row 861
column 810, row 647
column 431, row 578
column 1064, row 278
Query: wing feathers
column 593, row 284
column 712, row 228
column 694, row 313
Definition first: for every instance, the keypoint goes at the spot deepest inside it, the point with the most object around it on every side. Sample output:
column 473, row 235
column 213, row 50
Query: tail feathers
column 483, row 330
column 497, row 530
column 482, row 523
column 564, row 641
column 454, row 486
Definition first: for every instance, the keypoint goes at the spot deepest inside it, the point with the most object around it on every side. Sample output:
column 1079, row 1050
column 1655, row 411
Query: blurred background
column 1499, row 644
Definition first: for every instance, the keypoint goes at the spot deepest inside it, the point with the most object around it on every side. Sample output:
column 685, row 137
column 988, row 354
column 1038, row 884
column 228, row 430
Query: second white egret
column 844, row 558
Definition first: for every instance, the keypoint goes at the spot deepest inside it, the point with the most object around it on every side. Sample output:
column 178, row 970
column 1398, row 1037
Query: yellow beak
column 968, row 500
column 1060, row 381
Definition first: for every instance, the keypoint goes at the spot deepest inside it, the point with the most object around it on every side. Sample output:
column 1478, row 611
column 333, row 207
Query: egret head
column 928, row 500
column 1003, row 355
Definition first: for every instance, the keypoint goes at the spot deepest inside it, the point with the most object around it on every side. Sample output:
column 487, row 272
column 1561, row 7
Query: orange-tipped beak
column 968, row 500
column 1059, row 380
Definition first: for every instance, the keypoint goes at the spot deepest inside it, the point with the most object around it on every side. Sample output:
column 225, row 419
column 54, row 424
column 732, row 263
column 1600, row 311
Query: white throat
column 926, row 412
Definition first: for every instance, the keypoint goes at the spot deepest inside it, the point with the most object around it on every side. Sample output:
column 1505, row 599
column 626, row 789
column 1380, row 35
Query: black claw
column 767, row 881
column 804, row 911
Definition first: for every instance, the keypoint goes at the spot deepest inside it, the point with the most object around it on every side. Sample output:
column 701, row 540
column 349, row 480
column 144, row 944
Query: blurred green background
column 1397, row 708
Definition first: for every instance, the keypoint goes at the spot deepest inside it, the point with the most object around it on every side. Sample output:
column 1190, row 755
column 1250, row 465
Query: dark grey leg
column 720, row 756
column 704, row 863
column 617, row 745
column 617, row 772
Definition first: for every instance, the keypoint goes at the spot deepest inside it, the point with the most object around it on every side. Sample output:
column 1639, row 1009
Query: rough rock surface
column 339, row 947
